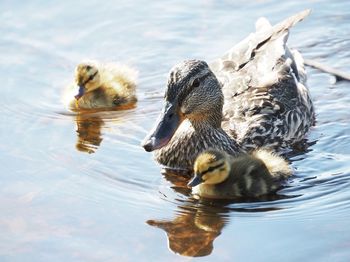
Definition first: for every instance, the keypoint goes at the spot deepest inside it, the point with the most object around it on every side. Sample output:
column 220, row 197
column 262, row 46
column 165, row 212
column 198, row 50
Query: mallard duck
column 221, row 176
column 100, row 85
column 254, row 96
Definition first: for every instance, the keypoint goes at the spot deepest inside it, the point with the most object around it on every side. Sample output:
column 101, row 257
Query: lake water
column 80, row 188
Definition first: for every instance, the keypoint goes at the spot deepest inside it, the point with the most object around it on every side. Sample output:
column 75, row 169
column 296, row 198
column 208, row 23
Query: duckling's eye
column 91, row 77
column 88, row 68
column 195, row 83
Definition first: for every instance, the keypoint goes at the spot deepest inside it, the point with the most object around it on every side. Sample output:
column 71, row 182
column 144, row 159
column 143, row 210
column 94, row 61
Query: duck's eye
column 88, row 68
column 170, row 116
column 196, row 83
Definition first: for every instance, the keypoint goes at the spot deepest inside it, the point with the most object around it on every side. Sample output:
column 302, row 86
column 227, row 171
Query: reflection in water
column 178, row 179
column 198, row 223
column 193, row 230
column 89, row 132
column 88, row 127
column 191, row 233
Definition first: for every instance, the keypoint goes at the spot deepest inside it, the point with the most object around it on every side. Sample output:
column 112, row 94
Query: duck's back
column 264, row 84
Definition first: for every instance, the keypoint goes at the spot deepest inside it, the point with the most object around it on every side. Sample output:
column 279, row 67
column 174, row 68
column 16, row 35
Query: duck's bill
column 166, row 126
column 195, row 181
column 81, row 92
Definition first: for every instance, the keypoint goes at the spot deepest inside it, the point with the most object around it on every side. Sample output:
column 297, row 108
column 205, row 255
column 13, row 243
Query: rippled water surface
column 80, row 188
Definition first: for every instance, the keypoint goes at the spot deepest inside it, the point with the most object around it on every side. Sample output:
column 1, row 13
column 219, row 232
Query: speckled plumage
column 193, row 141
column 266, row 102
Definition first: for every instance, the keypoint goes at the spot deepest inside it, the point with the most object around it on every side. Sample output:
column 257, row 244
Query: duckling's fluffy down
column 125, row 73
column 276, row 165
column 115, row 79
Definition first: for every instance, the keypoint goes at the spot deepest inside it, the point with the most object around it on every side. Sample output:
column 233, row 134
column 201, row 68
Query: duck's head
column 87, row 78
column 211, row 167
column 194, row 93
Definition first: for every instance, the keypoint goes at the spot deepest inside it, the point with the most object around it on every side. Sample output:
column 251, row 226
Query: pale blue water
column 61, row 204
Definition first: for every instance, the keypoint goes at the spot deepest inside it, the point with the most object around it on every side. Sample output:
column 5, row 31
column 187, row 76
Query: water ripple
column 84, row 176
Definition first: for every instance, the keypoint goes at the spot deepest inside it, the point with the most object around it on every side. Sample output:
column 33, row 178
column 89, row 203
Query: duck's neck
column 191, row 139
column 205, row 124
column 209, row 120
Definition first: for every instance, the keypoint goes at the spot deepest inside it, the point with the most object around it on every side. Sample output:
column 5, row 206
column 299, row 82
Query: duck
column 255, row 96
column 218, row 175
column 101, row 86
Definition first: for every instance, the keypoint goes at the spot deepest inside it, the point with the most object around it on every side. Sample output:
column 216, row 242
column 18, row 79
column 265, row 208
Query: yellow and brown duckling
column 221, row 176
column 101, row 86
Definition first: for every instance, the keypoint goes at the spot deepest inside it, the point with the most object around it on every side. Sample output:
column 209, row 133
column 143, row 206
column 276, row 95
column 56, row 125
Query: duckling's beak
column 166, row 126
column 81, row 92
column 195, row 181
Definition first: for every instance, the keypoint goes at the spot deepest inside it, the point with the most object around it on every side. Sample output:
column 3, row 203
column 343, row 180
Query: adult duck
column 254, row 96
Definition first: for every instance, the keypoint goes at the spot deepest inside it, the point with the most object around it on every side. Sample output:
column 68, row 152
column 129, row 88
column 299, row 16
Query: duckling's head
column 87, row 78
column 194, row 93
column 211, row 167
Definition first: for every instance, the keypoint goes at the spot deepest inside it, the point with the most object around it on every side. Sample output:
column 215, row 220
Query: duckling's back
column 276, row 165
column 119, row 83
column 251, row 178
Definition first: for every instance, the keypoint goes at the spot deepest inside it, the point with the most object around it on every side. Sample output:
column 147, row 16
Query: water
column 80, row 188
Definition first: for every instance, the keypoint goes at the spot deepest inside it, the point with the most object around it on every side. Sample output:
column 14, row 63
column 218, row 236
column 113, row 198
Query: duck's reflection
column 192, row 232
column 88, row 132
column 89, row 124
column 195, row 227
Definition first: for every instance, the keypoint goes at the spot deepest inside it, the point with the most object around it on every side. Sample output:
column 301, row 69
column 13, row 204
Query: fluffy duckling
column 100, row 86
column 221, row 176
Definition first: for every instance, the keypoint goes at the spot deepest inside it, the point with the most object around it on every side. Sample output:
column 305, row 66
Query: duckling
column 254, row 96
column 221, row 176
column 101, row 86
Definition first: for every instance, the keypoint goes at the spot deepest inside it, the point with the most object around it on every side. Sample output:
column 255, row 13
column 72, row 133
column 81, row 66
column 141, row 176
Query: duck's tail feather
column 243, row 52
column 263, row 24
column 291, row 21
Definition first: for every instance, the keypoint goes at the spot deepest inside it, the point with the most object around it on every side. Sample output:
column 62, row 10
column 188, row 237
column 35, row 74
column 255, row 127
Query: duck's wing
column 266, row 101
column 243, row 52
